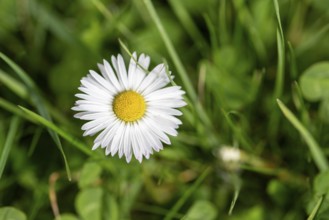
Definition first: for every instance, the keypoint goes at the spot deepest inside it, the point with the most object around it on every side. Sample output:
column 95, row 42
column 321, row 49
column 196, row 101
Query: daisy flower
column 131, row 111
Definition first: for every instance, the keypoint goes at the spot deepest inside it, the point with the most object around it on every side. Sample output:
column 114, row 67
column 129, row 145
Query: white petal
column 171, row 103
column 110, row 132
column 115, row 145
column 91, row 108
column 93, row 116
column 111, row 75
column 167, row 126
column 122, row 74
column 95, row 93
column 134, row 144
column 127, row 143
column 163, row 110
column 144, row 61
column 143, row 143
column 95, row 146
column 132, row 70
column 140, row 74
column 155, row 130
column 93, row 98
column 168, row 92
column 153, row 138
column 156, row 85
column 146, row 82
column 106, row 84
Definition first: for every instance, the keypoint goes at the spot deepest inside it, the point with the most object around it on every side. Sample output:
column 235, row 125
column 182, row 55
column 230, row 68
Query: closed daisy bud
column 131, row 111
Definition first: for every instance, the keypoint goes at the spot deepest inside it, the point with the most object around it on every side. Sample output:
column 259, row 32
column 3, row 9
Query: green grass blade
column 189, row 25
column 278, row 89
column 316, row 208
column 212, row 32
column 279, row 81
column 248, row 23
column 172, row 52
column 109, row 16
column 316, row 152
column 22, row 91
column 292, row 62
column 39, row 104
column 24, row 77
column 299, row 103
column 17, row 87
column 237, row 188
column 277, row 12
column 237, row 131
column 12, row 108
column 224, row 35
column 125, row 48
column 3, row 134
column 180, row 68
column 43, row 121
column 187, row 194
column 35, row 140
column 281, row 54
column 12, row 134
column 51, row 21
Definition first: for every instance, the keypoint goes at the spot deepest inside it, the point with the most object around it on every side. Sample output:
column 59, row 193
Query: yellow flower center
column 129, row 106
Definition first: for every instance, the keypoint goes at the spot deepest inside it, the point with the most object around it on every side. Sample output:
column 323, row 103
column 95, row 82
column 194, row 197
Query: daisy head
column 132, row 110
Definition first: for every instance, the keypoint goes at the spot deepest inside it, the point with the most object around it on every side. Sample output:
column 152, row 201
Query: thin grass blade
column 35, row 140
column 316, row 208
column 237, row 131
column 43, row 121
column 247, row 21
column 108, row 15
column 8, row 106
column 191, row 92
column 39, row 104
column 11, row 137
column 281, row 54
column 187, row 194
column 170, row 47
column 189, row 25
column 14, row 85
column 235, row 198
column 316, row 152
column 279, row 80
column 292, row 62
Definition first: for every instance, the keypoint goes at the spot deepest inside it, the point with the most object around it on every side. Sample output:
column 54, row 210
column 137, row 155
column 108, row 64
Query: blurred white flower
column 132, row 111
column 230, row 154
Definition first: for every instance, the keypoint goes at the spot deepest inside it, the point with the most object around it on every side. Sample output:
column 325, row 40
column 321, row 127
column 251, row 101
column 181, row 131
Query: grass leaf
column 12, row 135
column 188, row 23
column 82, row 147
column 14, row 85
column 316, row 208
column 316, row 152
column 172, row 52
column 180, row 68
column 281, row 54
column 39, row 104
column 12, row 108
column 279, row 80
column 187, row 194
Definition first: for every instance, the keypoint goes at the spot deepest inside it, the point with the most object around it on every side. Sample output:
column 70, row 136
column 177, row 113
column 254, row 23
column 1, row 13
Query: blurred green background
column 239, row 55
